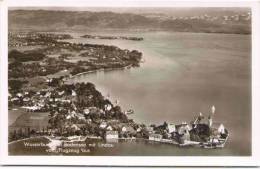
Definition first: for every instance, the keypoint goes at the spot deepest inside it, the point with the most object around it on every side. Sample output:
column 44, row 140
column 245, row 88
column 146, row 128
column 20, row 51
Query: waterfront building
column 123, row 129
column 221, row 129
column 149, row 129
column 183, row 132
column 112, row 135
column 155, row 137
column 128, row 129
column 171, row 128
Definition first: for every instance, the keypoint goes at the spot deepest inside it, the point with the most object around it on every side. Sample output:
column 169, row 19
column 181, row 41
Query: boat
column 130, row 111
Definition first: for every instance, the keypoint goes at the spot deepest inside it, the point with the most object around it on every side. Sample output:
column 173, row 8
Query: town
column 57, row 109
column 37, row 57
column 80, row 110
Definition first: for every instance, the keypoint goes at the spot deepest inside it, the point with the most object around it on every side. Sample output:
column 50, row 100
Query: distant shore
column 112, row 37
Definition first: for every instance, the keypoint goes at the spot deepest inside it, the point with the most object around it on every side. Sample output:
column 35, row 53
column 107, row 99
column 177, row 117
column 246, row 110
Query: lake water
column 184, row 74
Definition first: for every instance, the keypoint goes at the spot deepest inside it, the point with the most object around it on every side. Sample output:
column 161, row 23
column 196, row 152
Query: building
column 171, row 128
column 150, row 130
column 128, row 129
column 155, row 137
column 112, row 135
column 75, row 127
column 108, row 107
column 30, row 123
column 221, row 129
column 183, row 131
column 109, row 128
column 103, row 125
column 210, row 121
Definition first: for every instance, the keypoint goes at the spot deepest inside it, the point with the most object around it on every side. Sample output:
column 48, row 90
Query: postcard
column 129, row 84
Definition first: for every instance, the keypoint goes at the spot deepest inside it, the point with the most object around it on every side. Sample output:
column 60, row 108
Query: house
column 49, row 80
column 61, row 93
column 129, row 129
column 80, row 116
column 221, row 129
column 155, row 137
column 75, row 127
column 123, row 129
column 26, row 99
column 86, row 111
column 88, row 121
column 183, row 131
column 103, row 125
column 102, row 111
column 31, row 108
column 108, row 107
column 19, row 95
column 14, row 99
column 112, row 135
column 68, row 117
column 73, row 113
column 171, row 128
column 109, row 128
column 65, row 101
column 216, row 129
column 73, row 93
column 183, row 128
column 139, row 129
column 149, row 129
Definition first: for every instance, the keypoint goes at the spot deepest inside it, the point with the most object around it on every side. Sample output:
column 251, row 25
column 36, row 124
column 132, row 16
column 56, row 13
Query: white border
column 254, row 160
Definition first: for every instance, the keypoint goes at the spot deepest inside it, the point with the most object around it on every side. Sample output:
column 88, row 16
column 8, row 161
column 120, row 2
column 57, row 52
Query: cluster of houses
column 185, row 133
column 32, row 39
column 49, row 99
column 235, row 17
column 41, row 101
column 114, row 129
column 98, row 56
column 65, row 103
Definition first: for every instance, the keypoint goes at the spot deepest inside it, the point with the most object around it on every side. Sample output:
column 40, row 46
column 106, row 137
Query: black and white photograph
column 103, row 82
column 129, row 81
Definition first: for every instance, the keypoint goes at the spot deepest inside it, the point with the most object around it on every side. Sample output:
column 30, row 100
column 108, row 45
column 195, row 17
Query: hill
column 56, row 20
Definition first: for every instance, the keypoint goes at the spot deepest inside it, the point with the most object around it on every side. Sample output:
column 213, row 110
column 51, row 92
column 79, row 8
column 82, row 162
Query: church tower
column 210, row 118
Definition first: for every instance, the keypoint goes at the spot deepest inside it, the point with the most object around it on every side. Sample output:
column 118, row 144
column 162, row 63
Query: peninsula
column 112, row 37
column 38, row 85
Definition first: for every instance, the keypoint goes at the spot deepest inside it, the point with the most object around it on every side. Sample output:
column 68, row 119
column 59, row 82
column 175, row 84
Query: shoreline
column 102, row 70
column 24, row 139
column 54, row 142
